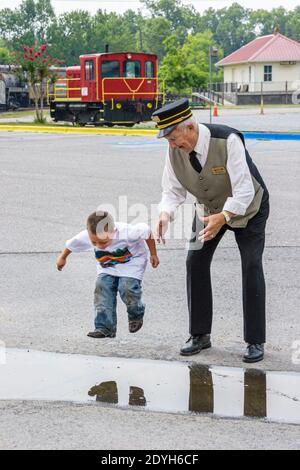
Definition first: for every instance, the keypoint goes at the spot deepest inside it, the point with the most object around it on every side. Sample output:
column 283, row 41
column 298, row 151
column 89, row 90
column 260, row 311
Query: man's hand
column 61, row 262
column 154, row 260
column 162, row 227
column 213, row 224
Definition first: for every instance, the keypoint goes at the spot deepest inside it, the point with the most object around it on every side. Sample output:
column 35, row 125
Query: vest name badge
column 219, row 170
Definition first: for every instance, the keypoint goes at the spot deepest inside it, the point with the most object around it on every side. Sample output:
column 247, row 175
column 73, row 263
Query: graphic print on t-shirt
column 108, row 259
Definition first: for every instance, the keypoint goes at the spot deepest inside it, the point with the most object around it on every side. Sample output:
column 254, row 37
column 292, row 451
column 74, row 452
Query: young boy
column 121, row 255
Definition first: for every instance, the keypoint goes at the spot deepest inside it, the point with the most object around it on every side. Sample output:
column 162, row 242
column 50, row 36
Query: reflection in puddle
column 151, row 385
column 107, row 392
column 201, row 392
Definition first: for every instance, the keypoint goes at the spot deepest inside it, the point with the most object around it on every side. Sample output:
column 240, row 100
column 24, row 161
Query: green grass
column 19, row 114
column 36, row 124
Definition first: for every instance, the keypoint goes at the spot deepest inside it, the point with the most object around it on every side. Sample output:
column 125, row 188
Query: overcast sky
column 61, row 6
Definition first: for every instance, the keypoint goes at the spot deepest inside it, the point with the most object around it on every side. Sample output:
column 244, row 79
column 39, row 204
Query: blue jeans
column 105, row 301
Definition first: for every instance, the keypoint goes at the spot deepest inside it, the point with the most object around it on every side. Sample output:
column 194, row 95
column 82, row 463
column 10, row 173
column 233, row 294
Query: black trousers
column 251, row 242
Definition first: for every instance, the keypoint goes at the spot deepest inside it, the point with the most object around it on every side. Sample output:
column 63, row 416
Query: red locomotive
column 108, row 89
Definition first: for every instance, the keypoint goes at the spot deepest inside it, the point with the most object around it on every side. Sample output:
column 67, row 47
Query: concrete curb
column 134, row 132
column 77, row 130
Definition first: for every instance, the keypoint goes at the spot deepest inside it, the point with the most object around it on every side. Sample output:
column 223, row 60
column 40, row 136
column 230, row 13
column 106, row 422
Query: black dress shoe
column 254, row 353
column 99, row 334
column 195, row 344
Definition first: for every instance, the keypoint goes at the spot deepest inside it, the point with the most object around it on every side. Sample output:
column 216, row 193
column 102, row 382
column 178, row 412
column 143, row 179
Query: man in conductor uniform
column 212, row 163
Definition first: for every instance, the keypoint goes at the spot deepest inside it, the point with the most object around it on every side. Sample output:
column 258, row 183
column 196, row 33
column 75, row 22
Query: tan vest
column 212, row 186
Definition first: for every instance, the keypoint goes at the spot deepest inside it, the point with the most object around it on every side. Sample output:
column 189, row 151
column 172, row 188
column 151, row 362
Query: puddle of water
column 174, row 387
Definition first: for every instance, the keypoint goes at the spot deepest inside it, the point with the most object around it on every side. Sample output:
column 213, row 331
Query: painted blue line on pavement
column 248, row 135
column 271, row 136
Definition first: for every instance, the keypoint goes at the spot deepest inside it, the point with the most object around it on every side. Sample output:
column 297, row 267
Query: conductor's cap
column 168, row 117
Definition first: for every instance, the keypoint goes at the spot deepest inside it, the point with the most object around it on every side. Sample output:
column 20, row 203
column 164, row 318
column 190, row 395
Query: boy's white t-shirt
column 125, row 257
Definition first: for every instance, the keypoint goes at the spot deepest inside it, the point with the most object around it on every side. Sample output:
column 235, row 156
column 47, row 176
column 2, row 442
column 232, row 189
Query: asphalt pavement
column 48, row 186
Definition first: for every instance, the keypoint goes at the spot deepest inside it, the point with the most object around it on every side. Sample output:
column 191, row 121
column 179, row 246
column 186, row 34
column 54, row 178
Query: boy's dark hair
column 99, row 222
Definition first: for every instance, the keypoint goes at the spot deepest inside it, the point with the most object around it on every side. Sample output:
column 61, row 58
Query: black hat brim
column 166, row 131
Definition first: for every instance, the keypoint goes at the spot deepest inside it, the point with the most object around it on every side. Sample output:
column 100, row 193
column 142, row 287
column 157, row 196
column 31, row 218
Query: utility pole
column 262, row 98
column 212, row 52
column 141, row 39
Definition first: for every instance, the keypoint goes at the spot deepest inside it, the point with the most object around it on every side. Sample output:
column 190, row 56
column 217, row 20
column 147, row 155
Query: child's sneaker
column 135, row 325
column 100, row 334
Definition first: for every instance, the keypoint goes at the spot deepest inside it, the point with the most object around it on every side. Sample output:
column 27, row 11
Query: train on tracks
column 14, row 93
column 107, row 89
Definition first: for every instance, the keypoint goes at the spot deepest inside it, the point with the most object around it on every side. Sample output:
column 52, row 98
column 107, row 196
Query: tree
column 5, row 56
column 208, row 21
column 178, row 15
column 235, row 26
column 186, row 67
column 70, row 35
column 78, row 32
column 27, row 24
column 7, row 24
column 44, row 16
column 34, row 67
column 120, row 32
column 264, row 22
column 84, row 33
column 233, row 30
column 155, row 31
column 293, row 24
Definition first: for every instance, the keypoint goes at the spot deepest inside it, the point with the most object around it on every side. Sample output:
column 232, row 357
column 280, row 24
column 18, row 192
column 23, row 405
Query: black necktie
column 195, row 162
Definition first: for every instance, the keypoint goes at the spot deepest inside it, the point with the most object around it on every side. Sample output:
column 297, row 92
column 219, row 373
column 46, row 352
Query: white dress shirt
column 174, row 194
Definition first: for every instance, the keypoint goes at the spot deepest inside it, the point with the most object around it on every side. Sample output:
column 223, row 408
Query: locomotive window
column 89, row 70
column 132, row 69
column 149, row 69
column 110, row 69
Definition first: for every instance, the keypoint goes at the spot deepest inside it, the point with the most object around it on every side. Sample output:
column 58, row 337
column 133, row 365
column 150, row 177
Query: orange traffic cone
column 216, row 111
